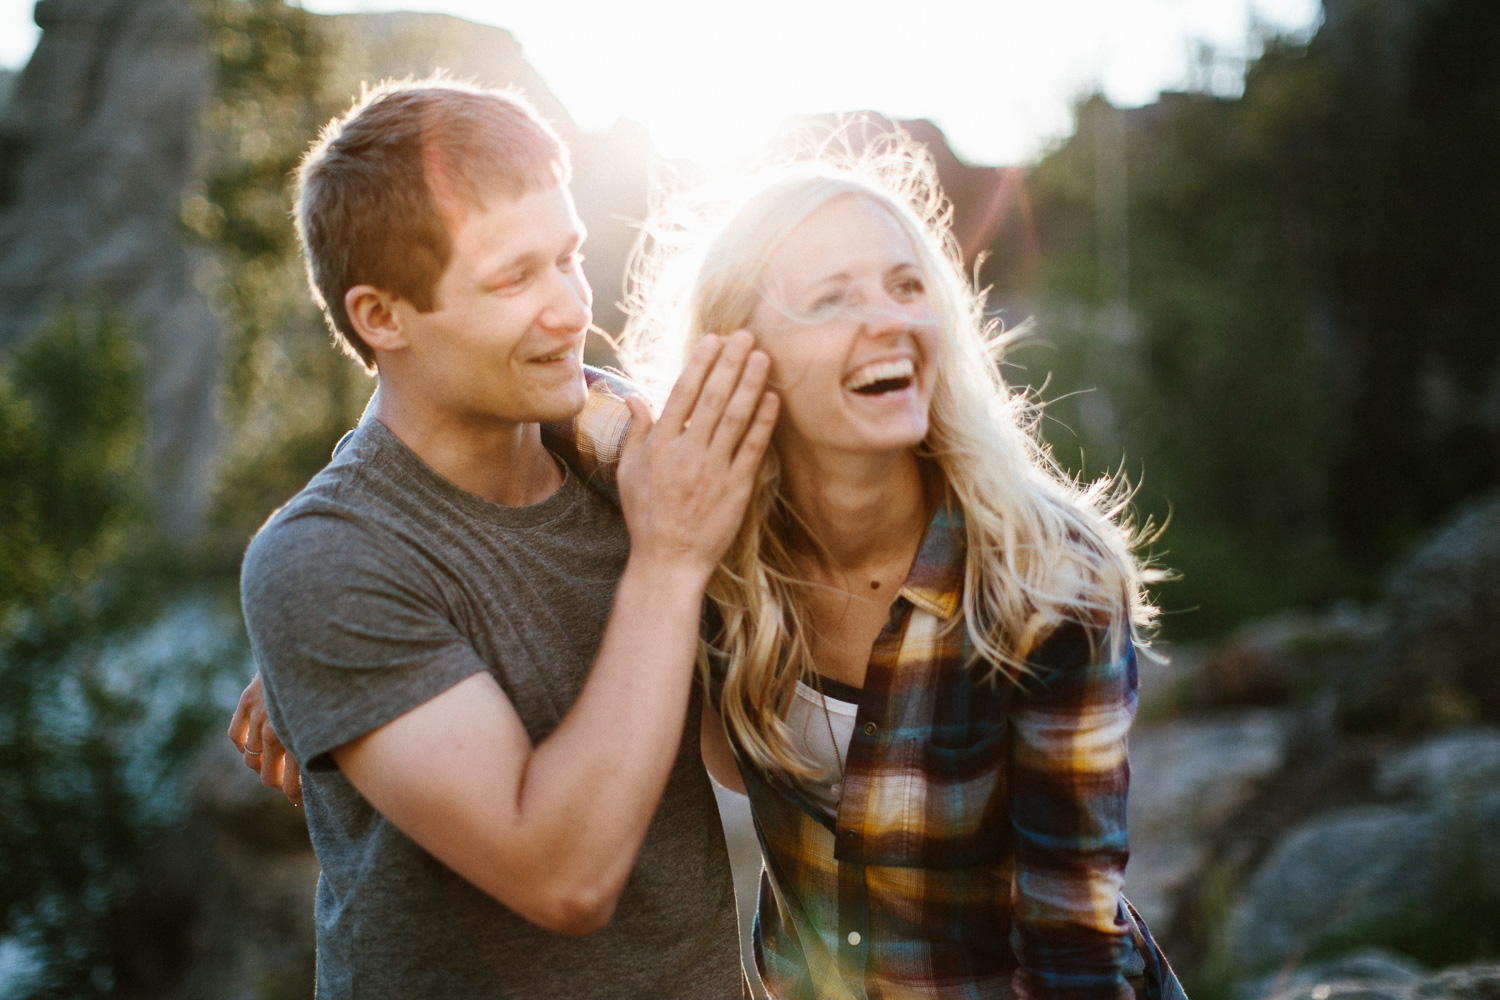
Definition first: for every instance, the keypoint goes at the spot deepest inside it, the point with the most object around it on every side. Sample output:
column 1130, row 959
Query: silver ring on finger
column 253, row 753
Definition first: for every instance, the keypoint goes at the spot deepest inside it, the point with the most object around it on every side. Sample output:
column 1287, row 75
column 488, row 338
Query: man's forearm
column 589, row 790
column 551, row 830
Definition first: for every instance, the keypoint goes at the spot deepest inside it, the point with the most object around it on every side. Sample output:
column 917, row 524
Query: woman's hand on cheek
column 686, row 478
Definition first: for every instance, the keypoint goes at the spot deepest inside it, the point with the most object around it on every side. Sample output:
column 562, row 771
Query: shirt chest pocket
column 961, row 801
column 936, row 801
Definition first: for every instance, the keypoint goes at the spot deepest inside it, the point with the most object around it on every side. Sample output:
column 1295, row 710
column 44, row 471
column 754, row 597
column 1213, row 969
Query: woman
column 922, row 652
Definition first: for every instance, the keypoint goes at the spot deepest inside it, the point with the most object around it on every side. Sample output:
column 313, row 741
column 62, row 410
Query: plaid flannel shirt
column 980, row 844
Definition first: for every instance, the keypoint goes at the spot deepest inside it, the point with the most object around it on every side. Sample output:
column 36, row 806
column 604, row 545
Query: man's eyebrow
column 527, row 258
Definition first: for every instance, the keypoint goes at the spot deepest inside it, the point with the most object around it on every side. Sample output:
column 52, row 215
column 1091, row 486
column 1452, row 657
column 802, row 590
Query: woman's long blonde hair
column 1041, row 548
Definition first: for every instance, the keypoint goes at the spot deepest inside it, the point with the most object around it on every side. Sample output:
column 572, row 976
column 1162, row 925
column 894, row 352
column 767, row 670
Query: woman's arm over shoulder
column 590, row 442
column 1068, row 784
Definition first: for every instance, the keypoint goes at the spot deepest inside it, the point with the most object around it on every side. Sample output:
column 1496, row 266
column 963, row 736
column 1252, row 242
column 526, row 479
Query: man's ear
column 372, row 313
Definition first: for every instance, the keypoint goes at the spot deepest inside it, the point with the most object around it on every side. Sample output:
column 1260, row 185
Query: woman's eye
column 909, row 288
column 571, row 261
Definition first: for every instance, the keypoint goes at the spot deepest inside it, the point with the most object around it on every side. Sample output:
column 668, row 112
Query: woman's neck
column 866, row 515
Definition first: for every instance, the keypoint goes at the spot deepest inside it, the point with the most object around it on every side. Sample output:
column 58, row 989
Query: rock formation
column 96, row 145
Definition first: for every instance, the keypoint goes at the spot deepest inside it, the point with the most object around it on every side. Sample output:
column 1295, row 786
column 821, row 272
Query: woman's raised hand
column 686, row 477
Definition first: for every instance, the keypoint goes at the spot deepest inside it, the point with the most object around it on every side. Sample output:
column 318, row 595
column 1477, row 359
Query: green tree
column 1279, row 306
column 90, row 750
column 289, row 394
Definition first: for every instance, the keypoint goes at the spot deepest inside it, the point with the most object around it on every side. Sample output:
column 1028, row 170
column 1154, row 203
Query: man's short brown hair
column 378, row 192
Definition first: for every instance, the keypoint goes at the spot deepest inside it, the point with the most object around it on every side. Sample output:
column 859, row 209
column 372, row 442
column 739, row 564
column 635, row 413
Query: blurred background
column 1261, row 246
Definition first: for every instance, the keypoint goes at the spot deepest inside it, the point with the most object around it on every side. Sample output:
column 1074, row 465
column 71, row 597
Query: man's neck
column 499, row 461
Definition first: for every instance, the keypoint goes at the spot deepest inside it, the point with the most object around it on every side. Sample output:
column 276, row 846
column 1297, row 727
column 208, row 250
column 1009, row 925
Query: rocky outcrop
column 96, row 145
column 1436, row 666
column 1375, row 974
column 1346, row 874
column 1379, row 821
column 1187, row 778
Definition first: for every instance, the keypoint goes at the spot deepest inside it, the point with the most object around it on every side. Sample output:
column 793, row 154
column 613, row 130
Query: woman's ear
column 372, row 313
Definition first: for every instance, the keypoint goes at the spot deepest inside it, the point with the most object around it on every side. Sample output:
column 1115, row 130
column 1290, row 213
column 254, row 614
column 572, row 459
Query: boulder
column 1478, row 981
column 1377, row 975
column 1285, row 657
column 1363, row 872
column 1186, row 779
column 1460, row 764
column 1435, row 665
column 1370, row 972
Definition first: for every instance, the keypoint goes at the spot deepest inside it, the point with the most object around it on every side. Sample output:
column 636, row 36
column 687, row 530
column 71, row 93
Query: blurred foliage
column 1286, row 301
column 288, row 394
column 70, row 447
column 81, row 788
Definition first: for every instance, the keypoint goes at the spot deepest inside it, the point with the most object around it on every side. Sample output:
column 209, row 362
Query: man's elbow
column 577, row 910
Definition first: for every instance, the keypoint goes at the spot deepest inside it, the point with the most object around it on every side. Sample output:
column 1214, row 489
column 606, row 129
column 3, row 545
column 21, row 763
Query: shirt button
column 870, row 728
column 854, row 938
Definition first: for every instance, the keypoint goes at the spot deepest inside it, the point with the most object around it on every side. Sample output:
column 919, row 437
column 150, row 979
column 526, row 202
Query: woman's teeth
column 881, row 377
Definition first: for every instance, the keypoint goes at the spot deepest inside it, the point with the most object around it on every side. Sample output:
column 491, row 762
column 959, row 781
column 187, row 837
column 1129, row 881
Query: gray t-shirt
column 376, row 588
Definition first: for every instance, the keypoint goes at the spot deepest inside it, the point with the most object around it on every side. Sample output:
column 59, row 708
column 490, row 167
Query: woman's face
column 853, row 340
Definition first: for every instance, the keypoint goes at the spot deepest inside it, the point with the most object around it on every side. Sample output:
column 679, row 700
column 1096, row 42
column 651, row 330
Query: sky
column 712, row 80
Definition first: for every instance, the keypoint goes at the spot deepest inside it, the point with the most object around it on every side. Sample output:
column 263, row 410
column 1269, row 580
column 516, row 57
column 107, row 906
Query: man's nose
column 570, row 302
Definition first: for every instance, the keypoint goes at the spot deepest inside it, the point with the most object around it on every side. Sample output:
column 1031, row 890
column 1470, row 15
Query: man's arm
column 552, row 830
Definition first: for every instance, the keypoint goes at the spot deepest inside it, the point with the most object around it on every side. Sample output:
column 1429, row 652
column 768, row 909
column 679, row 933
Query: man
column 484, row 680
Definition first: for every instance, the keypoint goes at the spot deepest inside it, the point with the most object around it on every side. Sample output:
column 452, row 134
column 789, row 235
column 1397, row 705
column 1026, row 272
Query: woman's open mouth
column 881, row 377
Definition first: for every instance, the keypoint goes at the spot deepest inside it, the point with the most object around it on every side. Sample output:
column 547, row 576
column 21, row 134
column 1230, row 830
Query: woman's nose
column 882, row 314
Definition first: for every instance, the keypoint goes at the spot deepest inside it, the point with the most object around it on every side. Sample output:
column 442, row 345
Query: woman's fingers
column 641, row 423
column 684, row 395
column 719, row 388
column 743, row 404
column 757, row 438
column 239, row 723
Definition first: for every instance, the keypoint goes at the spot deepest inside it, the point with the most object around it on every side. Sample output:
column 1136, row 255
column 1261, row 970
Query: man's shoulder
column 329, row 523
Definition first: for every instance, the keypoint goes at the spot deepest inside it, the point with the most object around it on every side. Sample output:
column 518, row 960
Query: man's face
column 505, row 340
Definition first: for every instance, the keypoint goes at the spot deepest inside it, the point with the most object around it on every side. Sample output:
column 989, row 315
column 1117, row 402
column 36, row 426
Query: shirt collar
column 936, row 581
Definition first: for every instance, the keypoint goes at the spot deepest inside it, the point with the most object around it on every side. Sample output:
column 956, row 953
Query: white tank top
column 811, row 738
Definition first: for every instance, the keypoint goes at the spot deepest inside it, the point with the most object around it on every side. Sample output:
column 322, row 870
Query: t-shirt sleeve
column 590, row 442
column 346, row 636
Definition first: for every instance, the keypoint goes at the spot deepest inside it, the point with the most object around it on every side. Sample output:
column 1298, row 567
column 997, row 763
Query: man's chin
column 561, row 407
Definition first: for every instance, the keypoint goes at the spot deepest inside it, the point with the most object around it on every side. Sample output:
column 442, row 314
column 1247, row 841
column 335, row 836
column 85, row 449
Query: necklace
column 838, row 757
